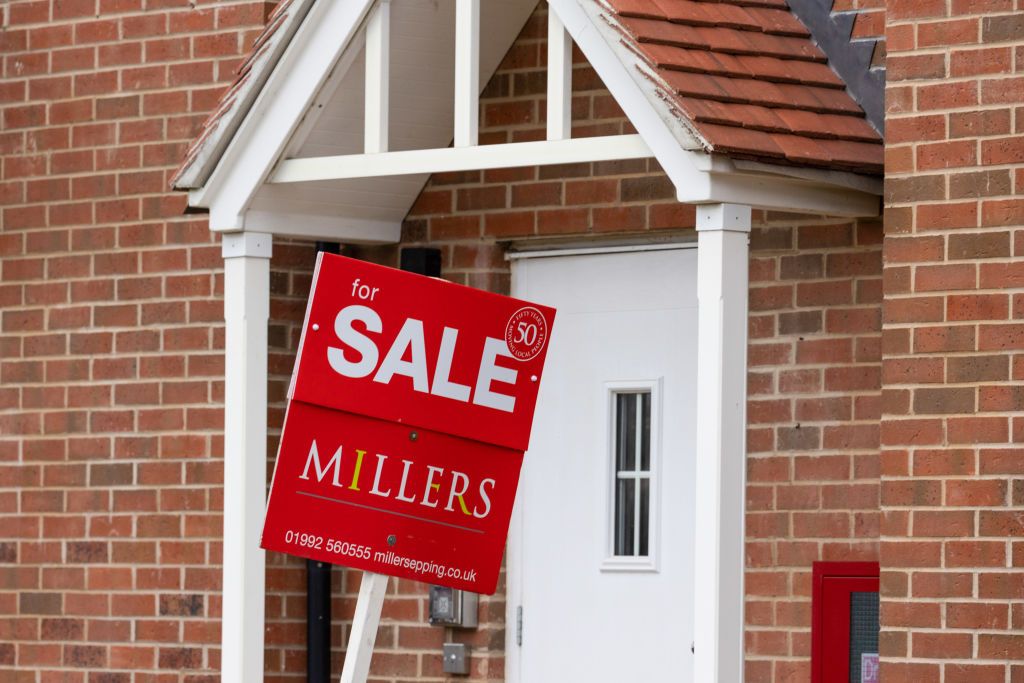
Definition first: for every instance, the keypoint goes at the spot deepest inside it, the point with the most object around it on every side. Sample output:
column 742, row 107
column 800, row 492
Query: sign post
column 409, row 412
column 372, row 589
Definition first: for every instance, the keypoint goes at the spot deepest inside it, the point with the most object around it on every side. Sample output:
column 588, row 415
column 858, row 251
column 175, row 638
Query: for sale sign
column 409, row 411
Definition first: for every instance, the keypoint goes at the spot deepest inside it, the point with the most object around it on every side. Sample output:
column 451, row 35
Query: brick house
column 880, row 367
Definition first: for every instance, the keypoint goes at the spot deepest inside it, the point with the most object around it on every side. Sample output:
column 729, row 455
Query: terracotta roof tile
column 750, row 80
column 742, row 141
column 817, row 125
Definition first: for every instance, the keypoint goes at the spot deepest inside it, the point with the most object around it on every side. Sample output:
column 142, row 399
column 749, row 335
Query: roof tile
column 742, row 140
column 751, row 81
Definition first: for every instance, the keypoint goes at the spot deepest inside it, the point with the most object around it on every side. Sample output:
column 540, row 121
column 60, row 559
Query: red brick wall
column 952, row 465
column 111, row 351
column 111, row 359
column 812, row 414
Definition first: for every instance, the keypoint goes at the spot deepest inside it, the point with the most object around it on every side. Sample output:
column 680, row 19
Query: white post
column 246, row 309
column 467, row 72
column 364, row 628
column 378, row 41
column 559, row 101
column 723, row 232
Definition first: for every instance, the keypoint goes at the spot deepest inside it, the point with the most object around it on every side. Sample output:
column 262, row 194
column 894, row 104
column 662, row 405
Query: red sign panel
column 410, row 408
column 422, row 351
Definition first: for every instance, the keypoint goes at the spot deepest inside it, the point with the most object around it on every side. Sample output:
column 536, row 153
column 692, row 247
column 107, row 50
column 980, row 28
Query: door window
column 632, row 473
column 632, row 446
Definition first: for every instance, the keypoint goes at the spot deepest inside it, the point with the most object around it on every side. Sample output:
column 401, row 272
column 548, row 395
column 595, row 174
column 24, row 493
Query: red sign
column 410, row 407
column 421, row 351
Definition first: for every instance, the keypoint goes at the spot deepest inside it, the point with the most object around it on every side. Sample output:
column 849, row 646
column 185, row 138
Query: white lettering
column 492, row 372
column 376, row 478
column 356, row 341
column 486, row 499
column 431, row 486
column 401, row 488
column 455, row 491
column 442, row 386
column 409, row 337
column 314, row 458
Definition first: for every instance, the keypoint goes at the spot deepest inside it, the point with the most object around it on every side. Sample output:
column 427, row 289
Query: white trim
column 467, row 72
column 246, row 311
column 609, row 249
column 624, row 563
column 781, row 193
column 378, row 79
column 637, row 96
column 413, row 162
column 300, row 73
column 331, row 228
column 722, row 293
column 729, row 217
column 559, row 101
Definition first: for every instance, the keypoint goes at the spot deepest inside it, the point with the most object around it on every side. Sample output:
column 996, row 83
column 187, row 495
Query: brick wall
column 111, row 375
column 111, row 350
column 812, row 413
column 952, row 467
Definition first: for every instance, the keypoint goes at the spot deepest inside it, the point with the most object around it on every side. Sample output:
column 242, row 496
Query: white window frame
column 649, row 562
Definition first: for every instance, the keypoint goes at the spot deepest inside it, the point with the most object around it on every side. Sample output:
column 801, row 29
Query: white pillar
column 246, row 310
column 378, row 79
column 559, row 102
column 467, row 72
column 723, row 232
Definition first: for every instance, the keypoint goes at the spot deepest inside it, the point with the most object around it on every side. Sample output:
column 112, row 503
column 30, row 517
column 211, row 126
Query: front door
column 601, row 546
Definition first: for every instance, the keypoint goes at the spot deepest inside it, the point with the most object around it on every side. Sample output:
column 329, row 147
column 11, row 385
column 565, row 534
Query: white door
column 601, row 545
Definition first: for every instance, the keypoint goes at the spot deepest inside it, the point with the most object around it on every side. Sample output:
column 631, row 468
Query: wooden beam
column 559, row 102
column 333, row 228
column 467, row 72
column 509, row 155
column 378, row 41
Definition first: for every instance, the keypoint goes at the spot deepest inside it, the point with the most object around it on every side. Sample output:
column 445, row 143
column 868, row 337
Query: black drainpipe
column 423, row 261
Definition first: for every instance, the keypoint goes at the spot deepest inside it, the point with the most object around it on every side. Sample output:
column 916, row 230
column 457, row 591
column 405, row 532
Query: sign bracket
column 372, row 589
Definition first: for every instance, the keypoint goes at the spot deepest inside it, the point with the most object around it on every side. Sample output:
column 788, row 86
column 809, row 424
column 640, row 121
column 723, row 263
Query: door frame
column 514, row 589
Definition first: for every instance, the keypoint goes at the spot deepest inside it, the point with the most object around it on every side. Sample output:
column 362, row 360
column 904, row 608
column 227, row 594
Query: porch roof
column 732, row 98
column 746, row 76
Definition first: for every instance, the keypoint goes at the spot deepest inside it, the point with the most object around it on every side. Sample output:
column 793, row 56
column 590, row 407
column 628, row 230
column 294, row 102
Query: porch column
column 246, row 310
column 723, row 232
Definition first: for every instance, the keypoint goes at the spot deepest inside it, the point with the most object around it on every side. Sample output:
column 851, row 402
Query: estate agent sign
column 409, row 411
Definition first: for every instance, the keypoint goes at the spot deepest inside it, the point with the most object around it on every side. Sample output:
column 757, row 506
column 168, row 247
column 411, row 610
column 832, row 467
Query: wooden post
column 364, row 628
